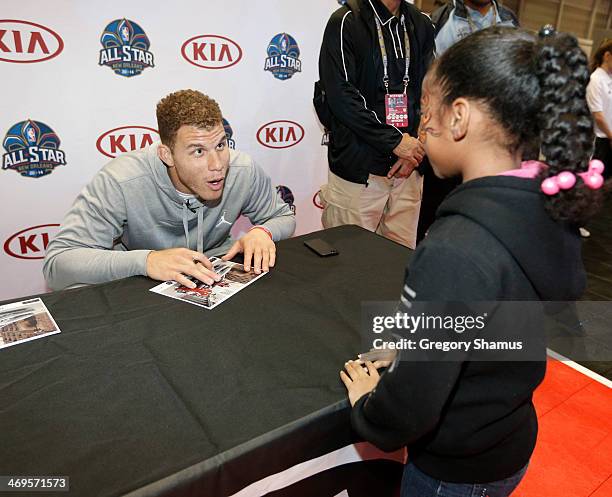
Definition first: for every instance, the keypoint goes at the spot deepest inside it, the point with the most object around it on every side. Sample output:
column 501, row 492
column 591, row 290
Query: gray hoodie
column 131, row 207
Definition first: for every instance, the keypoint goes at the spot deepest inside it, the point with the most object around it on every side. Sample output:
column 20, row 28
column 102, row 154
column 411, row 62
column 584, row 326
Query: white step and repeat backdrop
column 80, row 81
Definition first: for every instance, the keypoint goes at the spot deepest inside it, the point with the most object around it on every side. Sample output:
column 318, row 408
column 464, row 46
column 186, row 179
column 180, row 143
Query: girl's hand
column 359, row 381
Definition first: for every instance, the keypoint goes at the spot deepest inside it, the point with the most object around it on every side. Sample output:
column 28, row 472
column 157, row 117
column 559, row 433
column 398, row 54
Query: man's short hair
column 185, row 107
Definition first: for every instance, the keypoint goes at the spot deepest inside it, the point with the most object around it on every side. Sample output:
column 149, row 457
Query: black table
column 145, row 394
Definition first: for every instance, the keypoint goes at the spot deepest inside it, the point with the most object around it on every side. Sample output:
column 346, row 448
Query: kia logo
column 125, row 139
column 26, row 42
column 280, row 134
column 316, row 200
column 30, row 243
column 211, row 51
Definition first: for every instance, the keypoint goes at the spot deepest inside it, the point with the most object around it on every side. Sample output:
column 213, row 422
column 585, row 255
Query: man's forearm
column 600, row 120
column 281, row 227
column 88, row 266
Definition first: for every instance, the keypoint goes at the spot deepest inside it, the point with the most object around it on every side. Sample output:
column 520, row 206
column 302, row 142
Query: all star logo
column 32, row 149
column 125, row 48
column 229, row 133
column 283, row 59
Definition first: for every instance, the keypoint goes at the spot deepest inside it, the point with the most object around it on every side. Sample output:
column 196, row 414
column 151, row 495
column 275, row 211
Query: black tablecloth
column 143, row 393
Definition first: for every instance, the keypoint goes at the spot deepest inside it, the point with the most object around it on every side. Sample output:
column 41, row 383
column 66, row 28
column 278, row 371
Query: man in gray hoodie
column 162, row 210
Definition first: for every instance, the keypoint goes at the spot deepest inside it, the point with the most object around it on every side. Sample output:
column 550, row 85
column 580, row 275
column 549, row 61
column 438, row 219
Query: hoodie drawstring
column 200, row 229
column 200, row 239
column 185, row 224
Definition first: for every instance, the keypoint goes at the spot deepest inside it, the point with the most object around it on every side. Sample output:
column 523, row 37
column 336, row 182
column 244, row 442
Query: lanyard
column 385, row 59
column 471, row 22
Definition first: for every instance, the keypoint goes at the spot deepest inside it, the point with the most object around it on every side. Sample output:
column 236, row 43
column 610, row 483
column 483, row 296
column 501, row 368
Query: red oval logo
column 211, row 51
column 316, row 200
column 125, row 139
column 25, row 42
column 280, row 134
column 31, row 243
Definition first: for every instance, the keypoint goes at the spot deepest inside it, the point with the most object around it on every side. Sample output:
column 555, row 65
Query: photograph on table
column 24, row 321
column 234, row 279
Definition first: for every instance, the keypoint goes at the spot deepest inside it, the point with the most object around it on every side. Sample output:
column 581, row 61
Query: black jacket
column 475, row 421
column 349, row 98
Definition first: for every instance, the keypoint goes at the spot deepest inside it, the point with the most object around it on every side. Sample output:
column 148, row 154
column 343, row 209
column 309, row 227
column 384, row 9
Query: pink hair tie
column 562, row 181
column 566, row 179
column 593, row 177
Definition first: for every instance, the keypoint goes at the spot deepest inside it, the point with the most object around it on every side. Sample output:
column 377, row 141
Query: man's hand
column 381, row 358
column 402, row 168
column 256, row 246
column 410, row 148
column 175, row 263
column 359, row 381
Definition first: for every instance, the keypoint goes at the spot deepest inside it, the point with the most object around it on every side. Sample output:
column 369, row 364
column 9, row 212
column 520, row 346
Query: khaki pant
column 389, row 207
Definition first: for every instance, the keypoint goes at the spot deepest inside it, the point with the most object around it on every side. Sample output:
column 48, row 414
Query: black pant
column 603, row 152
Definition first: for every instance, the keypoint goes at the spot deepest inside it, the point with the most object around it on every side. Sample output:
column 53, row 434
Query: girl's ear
column 459, row 119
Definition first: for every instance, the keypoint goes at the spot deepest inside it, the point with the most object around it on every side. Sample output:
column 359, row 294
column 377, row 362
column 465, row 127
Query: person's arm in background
column 602, row 124
column 337, row 68
column 266, row 210
column 595, row 103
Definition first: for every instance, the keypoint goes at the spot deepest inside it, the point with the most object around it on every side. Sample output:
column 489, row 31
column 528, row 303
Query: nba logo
column 31, row 134
column 283, row 57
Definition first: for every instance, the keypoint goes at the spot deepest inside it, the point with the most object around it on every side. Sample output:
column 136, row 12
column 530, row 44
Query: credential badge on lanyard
column 396, row 104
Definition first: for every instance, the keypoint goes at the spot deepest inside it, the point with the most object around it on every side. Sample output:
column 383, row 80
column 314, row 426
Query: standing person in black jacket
column 509, row 232
column 374, row 56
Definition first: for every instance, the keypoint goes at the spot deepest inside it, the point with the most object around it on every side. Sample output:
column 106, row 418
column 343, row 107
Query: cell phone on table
column 320, row 247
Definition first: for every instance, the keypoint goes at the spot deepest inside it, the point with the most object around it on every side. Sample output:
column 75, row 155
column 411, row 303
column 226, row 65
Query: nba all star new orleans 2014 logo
column 125, row 48
column 287, row 195
column 283, row 59
column 229, row 133
column 32, row 149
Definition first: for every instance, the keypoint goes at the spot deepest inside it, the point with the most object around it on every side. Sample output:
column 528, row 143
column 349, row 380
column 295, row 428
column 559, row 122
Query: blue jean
column 415, row 483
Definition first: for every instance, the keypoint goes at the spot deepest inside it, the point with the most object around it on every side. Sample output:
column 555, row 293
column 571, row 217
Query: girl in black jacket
column 508, row 233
